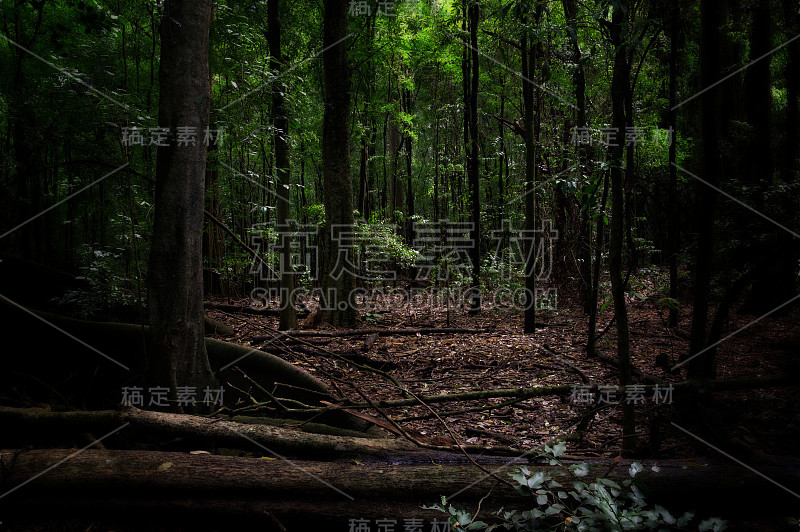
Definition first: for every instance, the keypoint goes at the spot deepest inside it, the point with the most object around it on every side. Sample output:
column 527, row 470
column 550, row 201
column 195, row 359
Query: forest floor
column 765, row 421
column 500, row 356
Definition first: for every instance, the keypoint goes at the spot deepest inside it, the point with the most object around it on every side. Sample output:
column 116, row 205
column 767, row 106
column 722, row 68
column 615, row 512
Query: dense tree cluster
column 646, row 132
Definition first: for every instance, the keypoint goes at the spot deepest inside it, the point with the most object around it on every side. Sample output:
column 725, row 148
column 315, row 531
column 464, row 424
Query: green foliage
column 380, row 248
column 314, row 214
column 601, row 505
column 499, row 273
column 459, row 519
column 109, row 289
column 372, row 317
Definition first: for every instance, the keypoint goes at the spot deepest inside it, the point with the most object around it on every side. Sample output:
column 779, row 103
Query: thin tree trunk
column 598, row 258
column 702, row 366
column 407, row 104
column 528, row 71
column 280, row 121
column 788, row 255
column 474, row 161
column 630, row 162
column 579, row 80
column 436, row 149
column 362, row 178
column 500, row 167
column 772, row 286
column 615, row 155
column 674, row 221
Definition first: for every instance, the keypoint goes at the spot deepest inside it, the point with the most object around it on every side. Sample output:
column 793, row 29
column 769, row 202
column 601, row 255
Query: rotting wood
column 322, row 490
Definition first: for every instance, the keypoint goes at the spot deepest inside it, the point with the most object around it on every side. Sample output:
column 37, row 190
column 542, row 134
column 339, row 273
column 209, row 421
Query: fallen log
column 358, row 358
column 88, row 363
column 204, row 432
column 257, row 311
column 363, row 332
column 213, row 326
column 130, row 481
column 726, row 385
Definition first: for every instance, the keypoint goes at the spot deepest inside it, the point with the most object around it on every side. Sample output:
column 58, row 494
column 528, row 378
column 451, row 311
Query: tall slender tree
column 711, row 19
column 674, row 223
column 579, row 82
column 338, row 285
column 474, row 160
column 615, row 155
column 177, row 354
column 288, row 318
column 528, row 71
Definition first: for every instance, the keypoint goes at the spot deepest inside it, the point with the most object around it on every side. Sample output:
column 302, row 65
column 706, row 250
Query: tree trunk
column 474, row 161
column 788, row 256
column 579, row 80
column 528, row 71
column 674, row 220
column 363, row 187
column 395, row 190
column 123, row 482
column 758, row 96
column 615, row 155
column 213, row 238
column 790, row 148
column 379, row 332
column 177, row 355
column 280, row 121
column 702, row 366
column 436, row 150
column 338, row 287
column 773, row 284
column 630, row 161
column 595, row 277
column 201, row 431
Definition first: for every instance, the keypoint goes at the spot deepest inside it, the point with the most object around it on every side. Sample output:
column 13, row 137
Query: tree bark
column 711, row 14
column 288, row 319
column 395, row 140
column 595, row 277
column 579, row 81
column 177, row 355
column 615, row 154
column 219, row 432
column 528, row 71
column 474, row 161
column 337, row 286
column 790, row 147
column 674, row 220
column 133, row 481
column 213, row 239
column 379, row 332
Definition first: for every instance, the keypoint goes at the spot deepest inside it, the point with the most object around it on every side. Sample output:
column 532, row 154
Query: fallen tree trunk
column 726, row 385
column 88, row 363
column 251, row 434
column 358, row 358
column 338, row 492
column 206, row 433
column 250, row 310
column 213, row 326
column 380, row 332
